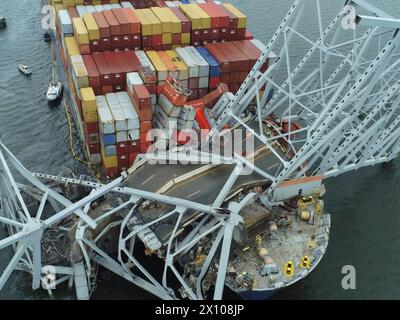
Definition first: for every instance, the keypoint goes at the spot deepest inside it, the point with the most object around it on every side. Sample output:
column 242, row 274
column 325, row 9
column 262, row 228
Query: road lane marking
column 194, row 193
column 148, row 179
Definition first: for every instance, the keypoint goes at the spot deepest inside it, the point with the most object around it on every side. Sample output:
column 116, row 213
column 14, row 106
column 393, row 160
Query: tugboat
column 24, row 69
column 54, row 91
column 47, row 37
column 3, row 22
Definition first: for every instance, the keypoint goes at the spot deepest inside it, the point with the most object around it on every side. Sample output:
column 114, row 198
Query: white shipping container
column 189, row 61
column 106, row 119
column 122, row 136
column 169, row 109
column 107, row 6
column 99, row 8
column 117, row 112
column 115, row 6
column 132, row 118
column 204, row 67
column 147, row 71
column 133, row 79
column 91, row 9
column 65, row 23
column 126, row 4
column 203, row 82
column 81, row 10
column 133, row 135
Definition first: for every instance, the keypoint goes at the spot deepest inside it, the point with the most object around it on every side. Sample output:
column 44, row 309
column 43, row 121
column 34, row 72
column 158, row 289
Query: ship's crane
column 342, row 94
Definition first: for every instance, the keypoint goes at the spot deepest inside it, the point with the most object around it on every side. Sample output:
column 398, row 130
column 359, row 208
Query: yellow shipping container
column 79, row 2
column 176, row 23
column 185, row 38
column 80, row 31
column 155, row 22
column 163, row 16
column 91, row 26
column 242, row 19
column 147, row 28
column 90, row 116
column 183, row 72
column 194, row 16
column 68, row 3
column 161, row 68
column 205, row 18
column 109, row 162
column 167, row 38
column 71, row 46
column 88, row 100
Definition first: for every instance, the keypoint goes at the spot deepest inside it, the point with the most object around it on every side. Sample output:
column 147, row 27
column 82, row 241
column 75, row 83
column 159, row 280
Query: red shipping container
column 146, row 43
column 128, row 61
column 233, row 20
column 73, row 13
column 186, row 24
column 116, row 42
column 196, row 35
column 205, row 34
column 220, row 57
column 203, row 92
column 112, row 21
column 105, row 44
column 224, row 78
column 126, row 41
column 124, row 26
column 95, row 46
column 193, row 83
column 151, row 87
column 214, row 82
column 145, row 126
column 134, row 23
column 144, row 146
column 214, row 34
column 111, row 172
column 248, row 36
column 223, row 34
column 123, row 160
column 117, row 75
column 104, row 27
column 176, row 38
column 132, row 157
column 242, row 76
column 122, row 147
column 252, row 53
column 234, row 77
column 97, row 91
column 157, row 48
column 136, row 42
column 94, row 148
column 102, row 67
column 156, row 40
column 107, row 89
column 241, row 34
column 133, row 146
column 84, row 49
column 232, row 35
column 212, row 13
column 91, row 127
column 143, row 96
column 93, row 72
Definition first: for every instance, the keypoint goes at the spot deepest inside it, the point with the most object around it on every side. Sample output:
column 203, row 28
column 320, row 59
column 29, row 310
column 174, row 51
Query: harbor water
column 363, row 204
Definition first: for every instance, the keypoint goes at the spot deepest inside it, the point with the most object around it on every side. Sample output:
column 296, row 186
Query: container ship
column 130, row 67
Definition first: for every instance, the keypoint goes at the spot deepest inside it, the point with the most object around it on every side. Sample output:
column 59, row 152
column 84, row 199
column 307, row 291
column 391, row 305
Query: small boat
column 3, row 22
column 54, row 91
column 47, row 37
column 24, row 69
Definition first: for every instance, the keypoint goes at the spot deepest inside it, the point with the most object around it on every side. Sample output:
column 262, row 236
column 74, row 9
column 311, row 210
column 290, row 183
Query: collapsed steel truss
column 344, row 93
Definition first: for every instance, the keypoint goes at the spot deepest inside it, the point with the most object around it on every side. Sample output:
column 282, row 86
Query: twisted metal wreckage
column 344, row 94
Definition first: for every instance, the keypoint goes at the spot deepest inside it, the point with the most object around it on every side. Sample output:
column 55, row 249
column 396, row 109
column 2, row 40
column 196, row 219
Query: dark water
column 364, row 204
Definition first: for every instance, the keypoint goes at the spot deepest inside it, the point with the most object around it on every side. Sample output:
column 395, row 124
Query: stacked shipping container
column 116, row 88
